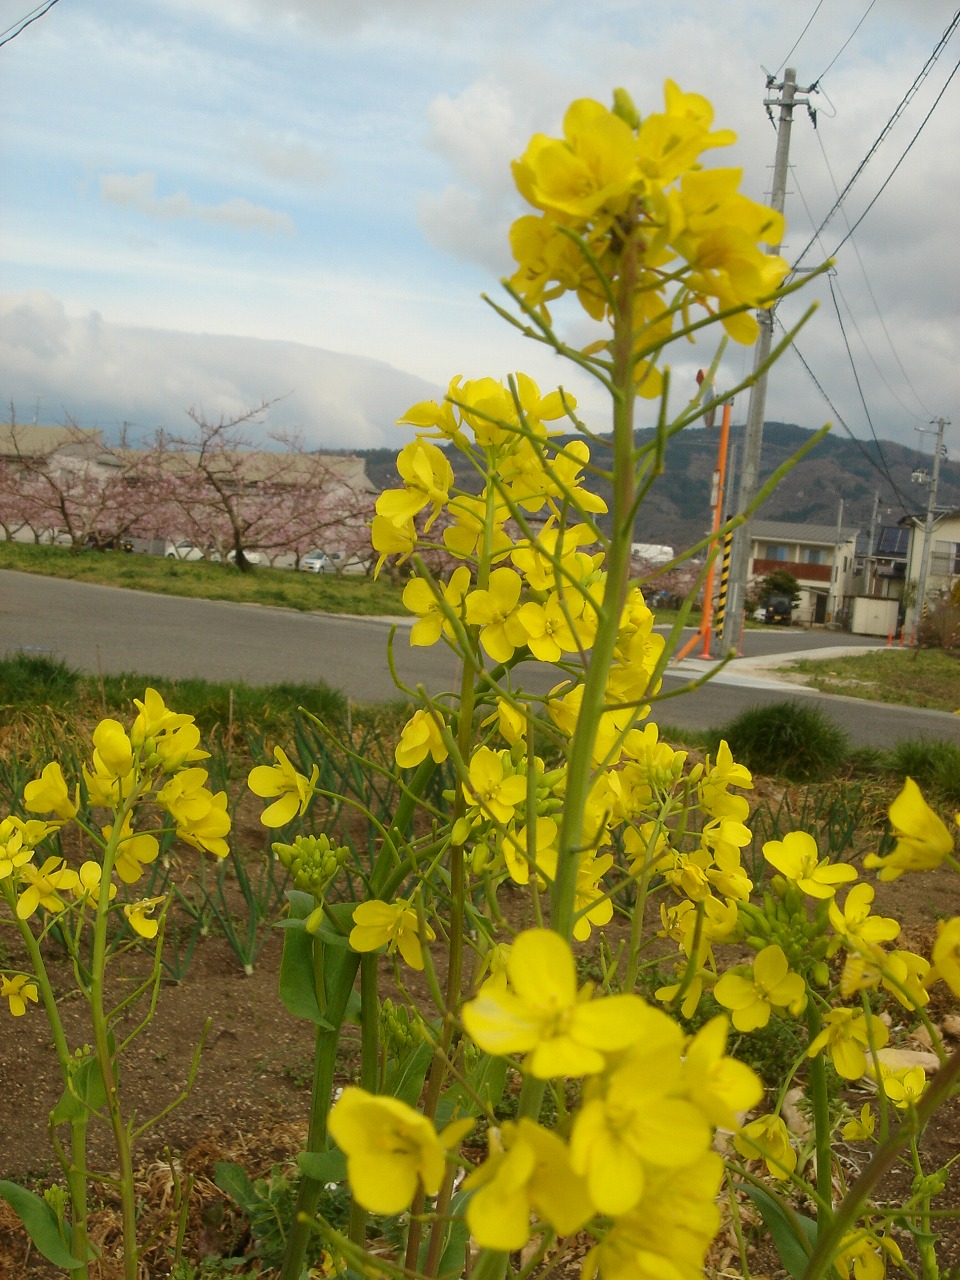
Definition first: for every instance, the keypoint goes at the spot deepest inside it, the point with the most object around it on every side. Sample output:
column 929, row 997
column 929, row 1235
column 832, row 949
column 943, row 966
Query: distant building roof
column 29, row 440
column 788, row 531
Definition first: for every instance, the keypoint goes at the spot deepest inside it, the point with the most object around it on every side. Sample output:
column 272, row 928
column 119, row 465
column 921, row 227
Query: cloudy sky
column 211, row 203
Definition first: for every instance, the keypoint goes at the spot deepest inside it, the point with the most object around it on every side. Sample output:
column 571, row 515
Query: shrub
column 934, row 766
column 940, row 628
column 789, row 740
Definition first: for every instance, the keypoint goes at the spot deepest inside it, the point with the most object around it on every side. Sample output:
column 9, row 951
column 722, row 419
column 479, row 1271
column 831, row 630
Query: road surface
column 95, row 628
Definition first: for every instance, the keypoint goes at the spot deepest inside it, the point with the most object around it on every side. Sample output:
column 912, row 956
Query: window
column 813, row 555
column 776, row 551
column 945, row 561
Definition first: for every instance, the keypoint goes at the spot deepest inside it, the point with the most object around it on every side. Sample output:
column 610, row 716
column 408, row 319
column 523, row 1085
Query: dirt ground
column 250, row 1099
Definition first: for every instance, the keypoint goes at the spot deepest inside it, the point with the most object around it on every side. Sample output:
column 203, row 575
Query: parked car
column 318, row 562
column 251, row 557
column 779, row 610
column 184, row 549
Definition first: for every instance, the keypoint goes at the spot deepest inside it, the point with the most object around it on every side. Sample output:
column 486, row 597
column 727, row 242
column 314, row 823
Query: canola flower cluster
column 640, row 1142
column 629, row 222
column 134, row 775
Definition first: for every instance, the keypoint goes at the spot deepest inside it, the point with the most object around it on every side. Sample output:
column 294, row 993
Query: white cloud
column 101, row 374
column 287, row 157
column 139, row 191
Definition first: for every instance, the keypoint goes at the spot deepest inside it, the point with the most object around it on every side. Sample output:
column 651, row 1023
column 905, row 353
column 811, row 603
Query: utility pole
column 835, row 596
column 870, row 563
column 917, row 611
column 753, row 436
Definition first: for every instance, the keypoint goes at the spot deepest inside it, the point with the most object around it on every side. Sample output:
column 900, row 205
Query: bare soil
column 250, row 1098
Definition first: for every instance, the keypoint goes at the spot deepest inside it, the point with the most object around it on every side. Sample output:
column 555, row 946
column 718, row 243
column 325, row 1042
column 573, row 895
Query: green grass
column 283, row 588
column 31, row 683
column 927, row 678
column 787, row 740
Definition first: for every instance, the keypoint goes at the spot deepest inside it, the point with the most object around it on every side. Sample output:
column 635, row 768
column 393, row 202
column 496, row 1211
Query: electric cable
column 843, row 423
column 21, row 24
column 898, row 111
column 799, row 37
column 899, row 162
column 845, row 43
column 876, row 306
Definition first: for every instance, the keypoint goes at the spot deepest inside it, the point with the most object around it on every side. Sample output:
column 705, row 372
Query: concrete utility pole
column 917, row 610
column 753, row 437
column 835, row 597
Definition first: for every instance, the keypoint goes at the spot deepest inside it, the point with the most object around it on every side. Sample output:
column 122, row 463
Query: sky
column 209, row 205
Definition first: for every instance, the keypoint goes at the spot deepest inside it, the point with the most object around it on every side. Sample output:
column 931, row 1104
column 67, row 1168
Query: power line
column 876, row 307
column 899, row 162
column 839, row 417
column 21, row 24
column 898, row 112
column 799, row 37
column 846, row 42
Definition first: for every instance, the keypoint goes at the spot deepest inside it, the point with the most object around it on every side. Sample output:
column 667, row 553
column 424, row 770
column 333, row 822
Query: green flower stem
column 926, row 1244
column 490, row 1265
column 580, row 767
column 940, row 1088
column 76, row 1171
column 821, row 1123
column 369, row 1062
column 324, row 1066
column 101, row 1042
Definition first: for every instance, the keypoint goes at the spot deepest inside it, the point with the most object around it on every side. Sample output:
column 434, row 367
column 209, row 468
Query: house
column 822, row 561
column 943, row 557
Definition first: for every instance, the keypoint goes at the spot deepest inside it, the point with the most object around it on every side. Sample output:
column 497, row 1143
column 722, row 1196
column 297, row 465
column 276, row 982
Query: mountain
column 677, row 509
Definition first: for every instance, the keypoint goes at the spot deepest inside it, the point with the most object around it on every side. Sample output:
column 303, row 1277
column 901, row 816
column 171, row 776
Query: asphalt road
column 94, row 628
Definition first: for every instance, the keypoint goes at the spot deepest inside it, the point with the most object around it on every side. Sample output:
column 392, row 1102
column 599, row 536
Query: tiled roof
column 788, row 531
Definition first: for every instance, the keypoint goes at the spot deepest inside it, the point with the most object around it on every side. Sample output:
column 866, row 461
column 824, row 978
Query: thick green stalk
column 940, row 1088
column 821, row 1123
column 369, row 1063
column 101, row 1042
column 324, row 1066
column 580, row 766
column 76, row 1173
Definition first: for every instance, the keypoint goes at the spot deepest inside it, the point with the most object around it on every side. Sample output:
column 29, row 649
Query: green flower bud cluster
column 400, row 1031
column 312, row 862
column 803, row 939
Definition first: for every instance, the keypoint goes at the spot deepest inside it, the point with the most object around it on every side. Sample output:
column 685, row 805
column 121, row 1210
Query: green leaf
column 297, row 990
column 794, row 1251
column 405, row 1081
column 41, row 1225
column 85, row 1093
column 455, row 1251
column 233, row 1181
column 324, row 1166
column 487, row 1081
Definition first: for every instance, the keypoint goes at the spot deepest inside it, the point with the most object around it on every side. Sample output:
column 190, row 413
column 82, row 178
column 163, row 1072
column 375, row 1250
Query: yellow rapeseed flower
column 768, row 1139
column 541, row 1014
column 923, row 840
column 772, row 985
column 49, row 794
column 41, row 886
column 293, row 791
column 797, row 857
column 390, row 1148
column 946, row 955
column 18, row 990
column 420, row 737
column 528, row 1170
column 390, row 924
column 140, row 916
column 847, row 1035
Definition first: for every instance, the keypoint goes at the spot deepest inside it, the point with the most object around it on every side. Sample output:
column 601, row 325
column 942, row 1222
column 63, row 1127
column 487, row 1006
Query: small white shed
column 872, row 616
